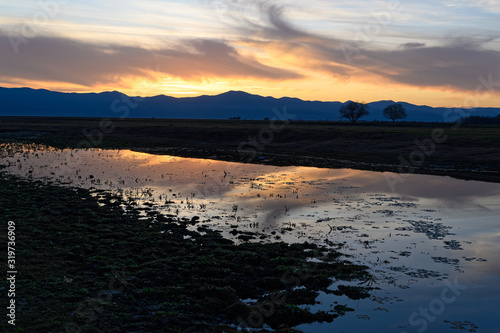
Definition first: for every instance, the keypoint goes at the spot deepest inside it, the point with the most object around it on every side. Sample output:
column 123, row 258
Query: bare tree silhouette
column 394, row 112
column 353, row 111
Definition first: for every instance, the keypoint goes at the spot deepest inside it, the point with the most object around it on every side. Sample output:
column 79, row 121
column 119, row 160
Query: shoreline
column 92, row 263
column 318, row 162
column 469, row 153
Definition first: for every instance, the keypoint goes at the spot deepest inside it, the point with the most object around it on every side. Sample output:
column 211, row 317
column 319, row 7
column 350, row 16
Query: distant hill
column 31, row 102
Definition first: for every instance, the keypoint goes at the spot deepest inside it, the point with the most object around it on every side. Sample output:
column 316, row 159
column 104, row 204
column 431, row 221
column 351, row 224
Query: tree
column 353, row 111
column 395, row 111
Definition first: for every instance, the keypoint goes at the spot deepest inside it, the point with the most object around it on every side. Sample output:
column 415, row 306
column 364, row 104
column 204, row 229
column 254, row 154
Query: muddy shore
column 89, row 262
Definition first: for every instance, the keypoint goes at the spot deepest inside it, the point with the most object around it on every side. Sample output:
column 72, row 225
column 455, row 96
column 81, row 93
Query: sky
column 437, row 53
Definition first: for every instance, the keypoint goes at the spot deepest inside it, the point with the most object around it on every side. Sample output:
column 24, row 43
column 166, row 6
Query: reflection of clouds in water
column 288, row 189
column 485, row 245
column 317, row 204
column 278, row 188
column 146, row 159
column 242, row 182
column 218, row 178
column 455, row 193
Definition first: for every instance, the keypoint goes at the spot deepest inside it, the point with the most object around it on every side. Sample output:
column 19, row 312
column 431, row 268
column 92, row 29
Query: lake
column 431, row 242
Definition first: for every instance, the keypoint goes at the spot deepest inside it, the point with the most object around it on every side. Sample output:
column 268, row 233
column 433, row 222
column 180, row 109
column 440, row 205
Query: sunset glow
column 439, row 53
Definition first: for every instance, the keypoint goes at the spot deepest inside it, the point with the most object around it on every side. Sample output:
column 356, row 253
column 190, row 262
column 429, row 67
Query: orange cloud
column 460, row 64
column 76, row 62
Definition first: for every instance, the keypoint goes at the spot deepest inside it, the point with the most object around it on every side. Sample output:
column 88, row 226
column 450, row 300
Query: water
column 431, row 242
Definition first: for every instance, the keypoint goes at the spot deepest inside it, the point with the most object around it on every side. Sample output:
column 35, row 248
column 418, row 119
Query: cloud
column 263, row 28
column 412, row 45
column 452, row 64
column 279, row 27
column 57, row 59
column 456, row 67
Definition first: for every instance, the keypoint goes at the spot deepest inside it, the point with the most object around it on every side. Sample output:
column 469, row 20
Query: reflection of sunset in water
column 428, row 230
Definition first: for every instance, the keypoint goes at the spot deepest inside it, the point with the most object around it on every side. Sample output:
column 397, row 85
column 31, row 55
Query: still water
column 431, row 242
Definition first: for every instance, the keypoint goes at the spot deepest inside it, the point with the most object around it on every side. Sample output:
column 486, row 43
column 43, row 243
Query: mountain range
column 232, row 104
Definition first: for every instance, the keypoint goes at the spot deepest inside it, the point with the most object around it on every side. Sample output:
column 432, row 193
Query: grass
column 87, row 265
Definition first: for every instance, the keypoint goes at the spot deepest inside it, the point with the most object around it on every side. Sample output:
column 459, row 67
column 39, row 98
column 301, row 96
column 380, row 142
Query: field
column 429, row 148
column 90, row 261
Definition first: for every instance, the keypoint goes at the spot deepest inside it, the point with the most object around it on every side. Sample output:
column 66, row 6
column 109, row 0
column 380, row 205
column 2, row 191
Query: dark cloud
column 457, row 64
column 448, row 66
column 58, row 59
column 280, row 28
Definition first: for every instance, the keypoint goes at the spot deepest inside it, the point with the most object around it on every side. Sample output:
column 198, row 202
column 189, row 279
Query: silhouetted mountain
column 30, row 102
